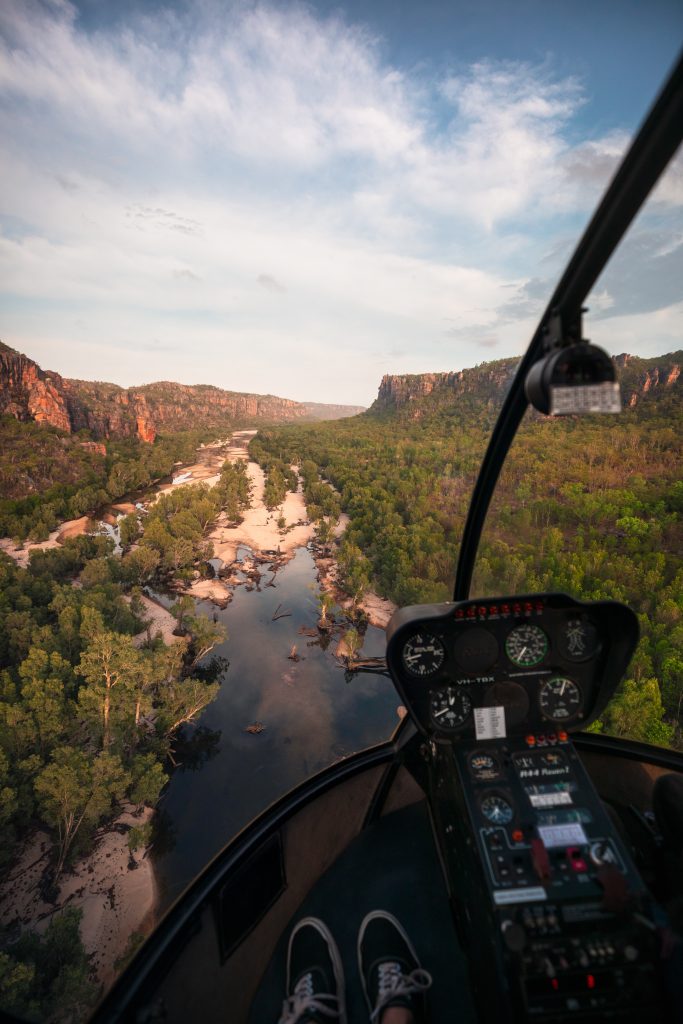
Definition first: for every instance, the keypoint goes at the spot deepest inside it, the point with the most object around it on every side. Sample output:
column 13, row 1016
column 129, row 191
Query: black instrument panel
column 509, row 666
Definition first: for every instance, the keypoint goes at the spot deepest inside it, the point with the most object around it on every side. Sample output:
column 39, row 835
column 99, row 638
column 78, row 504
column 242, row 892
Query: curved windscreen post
column 651, row 150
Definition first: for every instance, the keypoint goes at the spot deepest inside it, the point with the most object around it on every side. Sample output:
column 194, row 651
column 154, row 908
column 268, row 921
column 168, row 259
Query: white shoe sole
column 335, row 957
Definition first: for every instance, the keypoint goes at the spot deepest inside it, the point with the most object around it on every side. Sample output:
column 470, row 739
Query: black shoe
column 315, row 977
column 389, row 968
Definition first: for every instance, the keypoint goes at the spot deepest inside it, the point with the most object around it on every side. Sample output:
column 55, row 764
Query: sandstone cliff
column 107, row 411
column 415, row 395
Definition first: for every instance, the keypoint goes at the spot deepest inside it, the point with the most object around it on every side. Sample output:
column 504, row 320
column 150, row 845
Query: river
column 311, row 710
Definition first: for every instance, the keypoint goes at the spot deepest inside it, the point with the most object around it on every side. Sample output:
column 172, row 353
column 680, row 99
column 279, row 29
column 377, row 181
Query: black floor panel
column 391, row 866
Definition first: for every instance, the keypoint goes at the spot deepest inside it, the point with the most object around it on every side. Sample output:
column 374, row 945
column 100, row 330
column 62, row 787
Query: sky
column 296, row 199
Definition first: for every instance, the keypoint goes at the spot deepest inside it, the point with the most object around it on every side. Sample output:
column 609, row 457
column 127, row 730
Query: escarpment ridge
column 413, row 395
column 107, row 411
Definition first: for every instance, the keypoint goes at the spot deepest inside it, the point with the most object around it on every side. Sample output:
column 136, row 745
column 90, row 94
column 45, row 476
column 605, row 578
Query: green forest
column 591, row 506
column 88, row 713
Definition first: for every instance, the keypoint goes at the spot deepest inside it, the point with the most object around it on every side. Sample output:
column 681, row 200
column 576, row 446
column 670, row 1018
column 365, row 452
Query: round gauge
column 423, row 654
column 484, row 766
column 496, row 809
column 526, row 645
column 578, row 640
column 475, row 649
column 510, row 696
column 560, row 699
column 450, row 707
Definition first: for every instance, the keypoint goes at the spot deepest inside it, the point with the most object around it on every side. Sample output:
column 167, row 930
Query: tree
column 129, row 529
column 74, row 790
column 205, row 635
column 183, row 701
column 180, row 608
column 109, row 663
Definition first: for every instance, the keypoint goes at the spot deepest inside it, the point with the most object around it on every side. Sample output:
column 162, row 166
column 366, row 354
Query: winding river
column 312, row 713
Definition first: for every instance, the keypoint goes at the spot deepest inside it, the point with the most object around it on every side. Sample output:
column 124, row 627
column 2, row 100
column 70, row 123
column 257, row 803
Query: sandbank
column 116, row 898
column 162, row 621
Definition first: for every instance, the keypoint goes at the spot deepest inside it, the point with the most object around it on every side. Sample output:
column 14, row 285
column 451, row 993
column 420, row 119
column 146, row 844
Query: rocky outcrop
column 107, row 411
column 489, row 380
column 413, row 395
column 640, row 377
column 27, row 393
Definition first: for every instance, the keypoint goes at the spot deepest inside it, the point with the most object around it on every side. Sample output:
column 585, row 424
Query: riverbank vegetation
column 88, row 713
column 47, row 476
column 590, row 506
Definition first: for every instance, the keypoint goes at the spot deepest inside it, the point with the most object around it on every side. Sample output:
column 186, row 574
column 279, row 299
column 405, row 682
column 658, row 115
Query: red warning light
column 471, row 612
column 505, row 609
column 590, row 981
column 555, row 983
column 482, row 610
column 460, row 613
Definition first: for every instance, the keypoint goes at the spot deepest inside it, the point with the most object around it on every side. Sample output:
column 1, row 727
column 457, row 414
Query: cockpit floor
column 392, row 865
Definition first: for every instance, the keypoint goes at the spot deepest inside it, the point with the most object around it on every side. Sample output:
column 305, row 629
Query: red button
column 531, row 741
column 517, row 835
column 562, row 736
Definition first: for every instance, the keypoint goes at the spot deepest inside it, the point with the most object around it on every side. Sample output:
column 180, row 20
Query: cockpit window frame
column 648, row 156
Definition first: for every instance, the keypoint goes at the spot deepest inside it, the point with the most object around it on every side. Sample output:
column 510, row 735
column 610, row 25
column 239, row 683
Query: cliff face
column 408, row 392
column 640, row 377
column 29, row 394
column 108, row 411
column 412, row 395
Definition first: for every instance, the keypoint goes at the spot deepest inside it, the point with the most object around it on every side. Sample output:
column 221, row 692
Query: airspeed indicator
column 526, row 645
column 423, row 654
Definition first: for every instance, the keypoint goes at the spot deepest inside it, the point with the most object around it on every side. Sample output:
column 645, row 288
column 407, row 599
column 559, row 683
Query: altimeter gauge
column 496, row 809
column 560, row 699
column 526, row 645
column 449, row 708
column 423, row 654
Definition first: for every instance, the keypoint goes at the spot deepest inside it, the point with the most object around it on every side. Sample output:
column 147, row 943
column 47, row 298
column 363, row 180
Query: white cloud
column 253, row 179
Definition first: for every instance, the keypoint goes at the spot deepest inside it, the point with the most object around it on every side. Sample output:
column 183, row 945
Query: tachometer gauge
column 450, row 708
column 496, row 809
column 423, row 654
column 526, row 645
column 560, row 699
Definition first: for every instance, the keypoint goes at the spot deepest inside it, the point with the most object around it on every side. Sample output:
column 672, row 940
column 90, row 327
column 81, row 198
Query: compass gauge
column 423, row 654
column 526, row 645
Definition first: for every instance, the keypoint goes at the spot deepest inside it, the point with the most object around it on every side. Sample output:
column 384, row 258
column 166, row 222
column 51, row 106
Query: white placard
column 503, row 896
column 489, row 723
column 562, row 835
column 550, row 799
column 585, row 398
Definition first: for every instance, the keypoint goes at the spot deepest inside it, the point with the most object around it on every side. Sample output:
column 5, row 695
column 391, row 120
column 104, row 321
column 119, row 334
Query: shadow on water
column 311, row 716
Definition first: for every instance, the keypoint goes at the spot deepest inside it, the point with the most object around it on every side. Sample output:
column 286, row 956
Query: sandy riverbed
column 70, row 528
column 115, row 897
column 161, row 621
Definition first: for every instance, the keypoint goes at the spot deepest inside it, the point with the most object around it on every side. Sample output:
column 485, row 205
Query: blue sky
column 296, row 199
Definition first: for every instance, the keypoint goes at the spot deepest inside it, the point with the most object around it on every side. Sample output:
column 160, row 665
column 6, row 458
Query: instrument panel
column 509, row 666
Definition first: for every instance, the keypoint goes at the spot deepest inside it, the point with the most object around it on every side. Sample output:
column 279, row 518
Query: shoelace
column 392, row 983
column 305, row 1000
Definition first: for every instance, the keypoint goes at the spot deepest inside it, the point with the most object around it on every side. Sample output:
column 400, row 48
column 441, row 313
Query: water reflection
column 310, row 715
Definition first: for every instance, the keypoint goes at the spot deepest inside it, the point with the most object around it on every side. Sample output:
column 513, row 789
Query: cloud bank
column 256, row 192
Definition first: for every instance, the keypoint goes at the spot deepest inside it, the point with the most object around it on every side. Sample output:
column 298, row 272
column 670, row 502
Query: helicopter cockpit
column 488, row 821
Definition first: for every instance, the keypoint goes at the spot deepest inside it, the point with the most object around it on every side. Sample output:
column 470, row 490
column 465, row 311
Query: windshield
column 591, row 506
column 267, row 274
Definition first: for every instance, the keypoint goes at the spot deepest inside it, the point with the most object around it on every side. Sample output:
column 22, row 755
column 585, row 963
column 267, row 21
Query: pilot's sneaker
column 390, row 971
column 315, row 977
